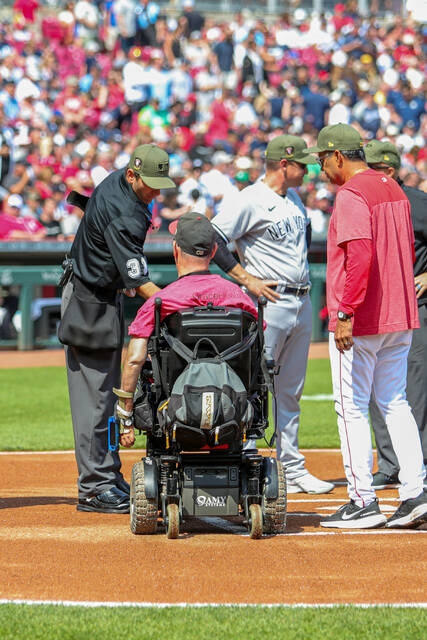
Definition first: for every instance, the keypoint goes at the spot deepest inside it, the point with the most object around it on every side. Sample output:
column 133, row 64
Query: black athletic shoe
column 111, row 501
column 381, row 481
column 350, row 516
column 410, row 513
column 123, row 485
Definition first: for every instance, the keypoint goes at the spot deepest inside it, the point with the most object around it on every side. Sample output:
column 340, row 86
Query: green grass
column 78, row 623
column 35, row 409
column 36, row 414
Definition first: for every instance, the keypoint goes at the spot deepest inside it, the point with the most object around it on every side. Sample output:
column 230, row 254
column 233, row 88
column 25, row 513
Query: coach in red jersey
column 193, row 248
column 372, row 311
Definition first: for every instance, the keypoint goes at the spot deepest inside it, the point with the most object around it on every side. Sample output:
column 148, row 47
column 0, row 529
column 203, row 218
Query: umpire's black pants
column 91, row 378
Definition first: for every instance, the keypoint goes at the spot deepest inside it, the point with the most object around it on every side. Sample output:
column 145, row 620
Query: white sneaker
column 308, row 484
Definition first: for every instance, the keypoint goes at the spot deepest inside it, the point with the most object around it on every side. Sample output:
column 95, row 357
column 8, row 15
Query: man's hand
column 344, row 335
column 421, row 284
column 130, row 293
column 254, row 285
column 127, row 439
column 124, row 417
column 260, row 287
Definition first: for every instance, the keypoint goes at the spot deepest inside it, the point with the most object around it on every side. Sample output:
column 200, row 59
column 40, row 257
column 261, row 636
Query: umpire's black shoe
column 111, row 501
column 382, row 481
column 411, row 513
column 123, row 485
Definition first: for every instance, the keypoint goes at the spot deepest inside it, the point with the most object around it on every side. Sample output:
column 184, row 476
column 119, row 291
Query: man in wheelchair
column 206, row 422
column 193, row 248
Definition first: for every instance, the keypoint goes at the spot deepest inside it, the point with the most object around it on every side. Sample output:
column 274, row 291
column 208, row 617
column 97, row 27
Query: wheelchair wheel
column 255, row 516
column 173, row 520
column 143, row 510
column 274, row 510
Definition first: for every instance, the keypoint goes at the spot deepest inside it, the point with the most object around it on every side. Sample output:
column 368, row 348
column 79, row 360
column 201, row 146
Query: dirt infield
column 50, row 551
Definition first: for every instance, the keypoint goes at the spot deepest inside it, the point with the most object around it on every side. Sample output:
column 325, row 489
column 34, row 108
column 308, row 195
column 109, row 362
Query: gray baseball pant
column 416, row 394
column 91, row 377
column 287, row 341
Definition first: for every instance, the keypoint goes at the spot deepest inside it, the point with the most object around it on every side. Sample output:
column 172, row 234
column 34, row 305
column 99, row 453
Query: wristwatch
column 343, row 316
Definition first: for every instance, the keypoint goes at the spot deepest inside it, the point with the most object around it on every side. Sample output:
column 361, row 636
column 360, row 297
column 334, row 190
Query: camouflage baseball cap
column 342, row 137
column 377, row 152
column 289, row 147
column 152, row 164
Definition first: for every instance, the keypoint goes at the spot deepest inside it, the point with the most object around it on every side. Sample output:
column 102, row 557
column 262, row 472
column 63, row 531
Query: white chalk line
column 207, row 605
column 319, row 397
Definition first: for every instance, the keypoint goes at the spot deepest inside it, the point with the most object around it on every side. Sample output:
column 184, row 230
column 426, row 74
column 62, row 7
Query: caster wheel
column 173, row 521
column 255, row 514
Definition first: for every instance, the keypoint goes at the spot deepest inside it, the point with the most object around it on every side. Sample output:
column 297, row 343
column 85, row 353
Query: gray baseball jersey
column 269, row 232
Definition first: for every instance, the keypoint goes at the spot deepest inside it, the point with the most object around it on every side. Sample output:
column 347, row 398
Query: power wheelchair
column 205, row 472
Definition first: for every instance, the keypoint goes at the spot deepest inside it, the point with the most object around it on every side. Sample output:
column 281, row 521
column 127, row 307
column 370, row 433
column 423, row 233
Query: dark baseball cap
column 377, row 152
column 152, row 164
column 194, row 234
column 289, row 147
column 342, row 137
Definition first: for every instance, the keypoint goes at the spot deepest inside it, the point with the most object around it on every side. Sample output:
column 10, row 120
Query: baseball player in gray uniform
column 271, row 232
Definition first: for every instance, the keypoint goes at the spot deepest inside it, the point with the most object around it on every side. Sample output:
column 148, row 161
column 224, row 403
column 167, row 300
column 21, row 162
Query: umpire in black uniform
column 384, row 156
column 107, row 257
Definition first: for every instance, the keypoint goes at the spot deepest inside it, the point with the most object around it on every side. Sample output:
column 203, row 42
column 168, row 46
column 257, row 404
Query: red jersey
column 373, row 207
column 10, row 223
column 193, row 290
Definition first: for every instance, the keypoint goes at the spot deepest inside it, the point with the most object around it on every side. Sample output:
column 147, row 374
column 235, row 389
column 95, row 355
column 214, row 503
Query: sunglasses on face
column 323, row 158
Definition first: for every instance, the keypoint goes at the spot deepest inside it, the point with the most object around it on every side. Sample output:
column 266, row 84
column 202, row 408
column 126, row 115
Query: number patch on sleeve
column 134, row 267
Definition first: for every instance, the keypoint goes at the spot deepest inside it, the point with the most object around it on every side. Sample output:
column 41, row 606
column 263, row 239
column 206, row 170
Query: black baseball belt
column 294, row 290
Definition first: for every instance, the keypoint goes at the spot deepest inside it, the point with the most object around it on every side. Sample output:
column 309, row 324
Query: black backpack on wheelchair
column 200, row 397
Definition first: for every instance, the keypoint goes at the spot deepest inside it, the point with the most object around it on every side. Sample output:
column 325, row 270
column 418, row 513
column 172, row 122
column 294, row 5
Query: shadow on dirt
column 34, row 501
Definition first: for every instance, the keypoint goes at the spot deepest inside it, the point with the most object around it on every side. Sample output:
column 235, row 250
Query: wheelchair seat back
column 224, row 326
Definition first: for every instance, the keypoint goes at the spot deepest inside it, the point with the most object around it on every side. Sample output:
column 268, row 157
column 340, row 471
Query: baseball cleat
column 350, row 516
column 308, row 484
column 111, row 501
column 382, row 481
column 410, row 513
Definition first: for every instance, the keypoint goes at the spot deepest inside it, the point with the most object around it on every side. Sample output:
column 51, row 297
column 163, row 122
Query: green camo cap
column 377, row 152
column 337, row 136
column 290, row 148
column 152, row 164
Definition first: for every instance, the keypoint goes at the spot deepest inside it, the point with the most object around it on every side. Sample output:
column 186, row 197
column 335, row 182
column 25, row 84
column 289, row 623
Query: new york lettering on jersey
column 285, row 226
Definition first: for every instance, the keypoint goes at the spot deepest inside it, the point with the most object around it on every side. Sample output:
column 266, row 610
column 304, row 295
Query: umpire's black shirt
column 418, row 202
column 108, row 250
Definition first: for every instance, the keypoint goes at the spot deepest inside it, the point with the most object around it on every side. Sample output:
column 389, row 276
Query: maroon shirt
column 192, row 290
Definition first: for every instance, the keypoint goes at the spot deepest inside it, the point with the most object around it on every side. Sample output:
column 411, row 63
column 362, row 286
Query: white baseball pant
column 287, row 341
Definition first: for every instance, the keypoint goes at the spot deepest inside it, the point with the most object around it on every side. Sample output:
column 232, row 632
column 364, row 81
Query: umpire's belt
column 288, row 288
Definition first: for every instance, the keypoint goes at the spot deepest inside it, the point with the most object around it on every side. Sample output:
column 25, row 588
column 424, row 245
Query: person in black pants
column 107, row 257
column 384, row 156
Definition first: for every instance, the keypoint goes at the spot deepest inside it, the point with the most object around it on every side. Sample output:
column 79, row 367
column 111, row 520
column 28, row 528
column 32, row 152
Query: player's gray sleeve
column 223, row 256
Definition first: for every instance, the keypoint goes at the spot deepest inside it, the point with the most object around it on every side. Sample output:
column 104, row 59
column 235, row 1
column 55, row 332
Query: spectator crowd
column 83, row 84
